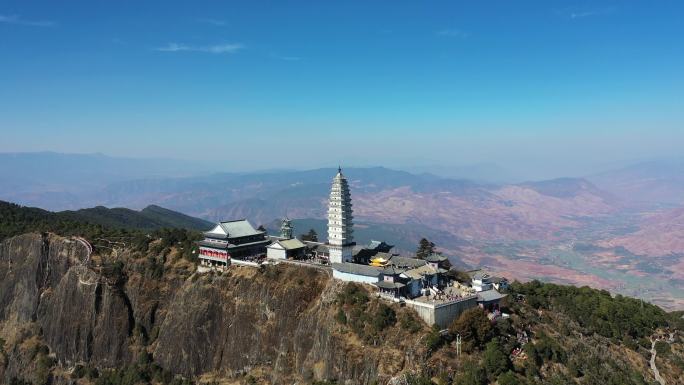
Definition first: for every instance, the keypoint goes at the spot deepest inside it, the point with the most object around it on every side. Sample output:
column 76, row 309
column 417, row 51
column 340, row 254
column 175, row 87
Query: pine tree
column 425, row 248
column 495, row 360
column 311, row 236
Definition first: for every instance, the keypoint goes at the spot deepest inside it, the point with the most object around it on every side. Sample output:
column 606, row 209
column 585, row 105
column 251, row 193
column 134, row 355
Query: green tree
column 662, row 348
column 508, row 378
column 596, row 310
column 434, row 340
column 425, row 248
column 472, row 374
column 474, row 327
column 495, row 360
column 414, row 379
column 409, row 323
column 311, row 236
column 384, row 317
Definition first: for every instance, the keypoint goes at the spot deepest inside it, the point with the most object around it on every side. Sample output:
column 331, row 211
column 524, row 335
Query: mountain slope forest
column 17, row 219
column 135, row 311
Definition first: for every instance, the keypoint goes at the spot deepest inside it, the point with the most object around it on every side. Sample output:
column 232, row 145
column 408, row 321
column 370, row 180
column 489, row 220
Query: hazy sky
column 256, row 84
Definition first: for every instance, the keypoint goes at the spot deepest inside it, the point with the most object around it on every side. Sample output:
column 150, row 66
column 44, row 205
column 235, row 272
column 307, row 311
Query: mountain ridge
column 16, row 218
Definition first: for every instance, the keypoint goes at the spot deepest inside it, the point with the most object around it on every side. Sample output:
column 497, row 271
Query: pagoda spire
column 340, row 220
column 286, row 228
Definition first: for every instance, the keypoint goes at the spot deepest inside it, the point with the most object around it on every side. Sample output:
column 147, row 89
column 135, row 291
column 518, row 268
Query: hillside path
column 656, row 373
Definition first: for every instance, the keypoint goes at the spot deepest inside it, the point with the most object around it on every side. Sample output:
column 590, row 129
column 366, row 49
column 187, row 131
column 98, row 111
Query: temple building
column 374, row 250
column 393, row 283
column 286, row 249
column 232, row 240
column 340, row 221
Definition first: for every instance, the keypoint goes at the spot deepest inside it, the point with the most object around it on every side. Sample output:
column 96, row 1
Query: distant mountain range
column 151, row 217
column 654, row 182
column 15, row 218
column 600, row 230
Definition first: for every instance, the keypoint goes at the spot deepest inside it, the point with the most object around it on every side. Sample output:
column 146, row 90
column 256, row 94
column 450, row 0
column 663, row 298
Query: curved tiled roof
column 389, row 285
column 436, row 258
column 355, row 268
column 392, row 270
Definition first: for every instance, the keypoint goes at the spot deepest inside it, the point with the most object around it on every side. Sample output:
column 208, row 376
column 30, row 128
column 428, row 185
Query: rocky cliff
column 277, row 323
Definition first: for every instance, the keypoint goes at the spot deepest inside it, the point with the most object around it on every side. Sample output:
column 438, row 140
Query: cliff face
column 278, row 321
column 86, row 320
column 29, row 265
column 46, row 291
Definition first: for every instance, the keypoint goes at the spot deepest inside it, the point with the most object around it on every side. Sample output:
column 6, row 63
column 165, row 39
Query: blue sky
column 558, row 85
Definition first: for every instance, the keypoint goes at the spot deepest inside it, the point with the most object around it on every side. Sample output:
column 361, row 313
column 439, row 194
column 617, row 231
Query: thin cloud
column 214, row 22
column 285, row 57
column 215, row 49
column 578, row 15
column 452, row 32
column 16, row 20
column 574, row 14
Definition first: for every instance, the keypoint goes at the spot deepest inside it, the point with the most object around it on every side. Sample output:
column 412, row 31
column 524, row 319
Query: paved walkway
column 656, row 373
column 88, row 247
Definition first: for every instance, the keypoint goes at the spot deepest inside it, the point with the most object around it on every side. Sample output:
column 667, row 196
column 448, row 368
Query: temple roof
column 495, row 279
column 436, row 258
column 380, row 246
column 489, row 296
column 421, row 271
column 480, row 275
column 392, row 270
column 233, row 229
column 389, row 285
column 319, row 247
column 292, row 244
column 355, row 268
column 406, row 262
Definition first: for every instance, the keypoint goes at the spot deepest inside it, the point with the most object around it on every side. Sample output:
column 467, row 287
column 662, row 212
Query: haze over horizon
column 405, row 85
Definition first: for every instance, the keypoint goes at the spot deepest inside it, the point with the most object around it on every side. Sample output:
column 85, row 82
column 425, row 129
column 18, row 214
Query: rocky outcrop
column 86, row 320
column 29, row 265
column 277, row 320
column 46, row 290
column 282, row 320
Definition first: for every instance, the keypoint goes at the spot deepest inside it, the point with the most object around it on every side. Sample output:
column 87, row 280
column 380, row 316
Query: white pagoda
column 340, row 224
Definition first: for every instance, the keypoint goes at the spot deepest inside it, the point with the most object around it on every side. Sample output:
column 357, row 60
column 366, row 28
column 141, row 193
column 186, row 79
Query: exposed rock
column 241, row 320
column 278, row 320
column 29, row 265
column 86, row 320
column 46, row 290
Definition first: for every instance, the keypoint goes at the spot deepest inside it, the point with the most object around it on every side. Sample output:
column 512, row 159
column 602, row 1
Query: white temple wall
column 348, row 277
column 273, row 253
